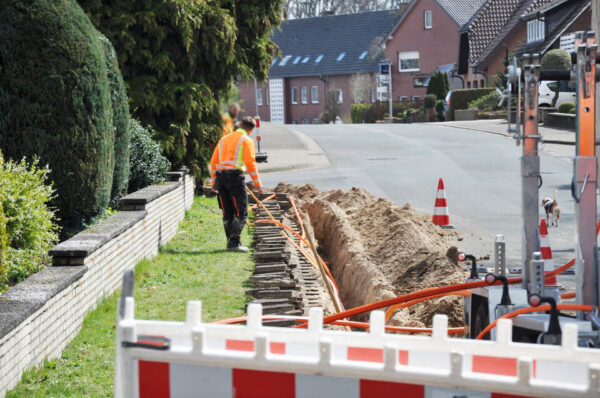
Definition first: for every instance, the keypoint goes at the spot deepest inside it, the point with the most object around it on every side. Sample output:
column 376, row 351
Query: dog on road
column 552, row 210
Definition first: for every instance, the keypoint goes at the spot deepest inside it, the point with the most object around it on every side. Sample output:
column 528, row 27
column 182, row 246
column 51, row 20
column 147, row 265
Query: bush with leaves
column 438, row 84
column 556, row 59
column 332, row 109
column 27, row 228
column 179, row 58
column 566, row 107
column 148, row 166
column 430, row 100
column 63, row 100
column 440, row 110
column 358, row 112
column 487, row 102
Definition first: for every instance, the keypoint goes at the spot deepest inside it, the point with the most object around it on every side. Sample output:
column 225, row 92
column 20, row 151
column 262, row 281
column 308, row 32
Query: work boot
column 238, row 248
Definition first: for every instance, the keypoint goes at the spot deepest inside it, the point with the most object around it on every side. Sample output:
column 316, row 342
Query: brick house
column 515, row 27
column 319, row 55
column 424, row 40
column 553, row 25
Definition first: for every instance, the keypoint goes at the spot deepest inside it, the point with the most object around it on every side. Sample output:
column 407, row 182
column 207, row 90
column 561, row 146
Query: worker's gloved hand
column 260, row 190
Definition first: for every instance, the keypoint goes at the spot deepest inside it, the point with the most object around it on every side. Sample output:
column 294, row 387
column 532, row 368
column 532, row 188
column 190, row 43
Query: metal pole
column 390, row 94
column 256, row 96
column 585, row 171
column 530, row 167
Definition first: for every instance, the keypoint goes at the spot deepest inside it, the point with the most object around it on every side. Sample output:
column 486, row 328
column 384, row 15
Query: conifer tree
column 178, row 57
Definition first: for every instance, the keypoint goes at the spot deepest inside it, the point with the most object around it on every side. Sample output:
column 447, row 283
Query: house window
column 340, row 97
column 303, row 96
column 314, row 95
column 536, row 30
column 468, row 84
column 408, row 61
column 294, row 93
column 340, row 57
column 415, row 97
column 482, row 83
column 363, row 55
column 304, row 121
column 295, row 121
column 475, row 84
column 372, row 94
column 315, row 121
column 285, row 60
column 402, row 98
column 428, row 20
column 419, row 82
column 259, row 98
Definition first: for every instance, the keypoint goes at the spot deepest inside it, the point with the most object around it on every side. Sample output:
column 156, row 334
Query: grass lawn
column 193, row 266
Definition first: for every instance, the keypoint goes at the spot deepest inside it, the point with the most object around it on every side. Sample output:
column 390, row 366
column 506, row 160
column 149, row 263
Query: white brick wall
column 46, row 332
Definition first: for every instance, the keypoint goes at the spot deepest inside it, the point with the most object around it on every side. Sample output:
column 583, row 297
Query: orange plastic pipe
column 568, row 295
column 264, row 200
column 392, row 309
column 354, row 324
column 546, row 307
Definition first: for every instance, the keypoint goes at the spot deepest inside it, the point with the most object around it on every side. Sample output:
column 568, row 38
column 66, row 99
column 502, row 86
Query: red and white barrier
column 441, row 214
column 209, row 360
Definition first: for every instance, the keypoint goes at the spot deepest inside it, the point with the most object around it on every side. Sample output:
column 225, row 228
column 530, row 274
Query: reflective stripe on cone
column 546, row 251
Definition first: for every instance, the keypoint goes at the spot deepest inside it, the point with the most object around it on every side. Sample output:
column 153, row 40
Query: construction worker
column 229, row 118
column 233, row 156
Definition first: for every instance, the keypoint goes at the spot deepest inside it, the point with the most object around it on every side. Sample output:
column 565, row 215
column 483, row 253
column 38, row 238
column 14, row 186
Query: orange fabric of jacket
column 228, row 123
column 235, row 151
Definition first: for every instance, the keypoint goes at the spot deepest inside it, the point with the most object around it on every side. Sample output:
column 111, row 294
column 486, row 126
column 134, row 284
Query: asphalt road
column 481, row 172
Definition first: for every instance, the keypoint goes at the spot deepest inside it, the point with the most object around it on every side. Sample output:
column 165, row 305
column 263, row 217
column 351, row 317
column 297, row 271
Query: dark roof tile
column 461, row 10
column 329, row 36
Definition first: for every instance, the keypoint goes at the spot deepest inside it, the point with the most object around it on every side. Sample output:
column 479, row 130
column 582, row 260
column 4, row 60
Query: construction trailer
column 487, row 304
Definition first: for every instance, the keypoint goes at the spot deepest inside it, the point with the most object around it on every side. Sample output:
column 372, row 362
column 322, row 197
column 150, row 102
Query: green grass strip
column 193, row 266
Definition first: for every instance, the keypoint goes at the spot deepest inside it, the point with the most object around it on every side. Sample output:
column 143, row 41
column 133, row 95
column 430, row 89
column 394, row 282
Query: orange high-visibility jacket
column 228, row 123
column 235, row 151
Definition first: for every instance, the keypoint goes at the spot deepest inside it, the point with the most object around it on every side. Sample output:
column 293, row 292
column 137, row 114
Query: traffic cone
column 546, row 251
column 441, row 215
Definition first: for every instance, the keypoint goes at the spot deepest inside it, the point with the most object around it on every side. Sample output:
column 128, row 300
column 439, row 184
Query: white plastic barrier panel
column 195, row 359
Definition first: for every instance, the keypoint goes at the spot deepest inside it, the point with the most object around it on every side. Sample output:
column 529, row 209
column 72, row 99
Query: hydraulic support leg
column 530, row 167
column 585, row 171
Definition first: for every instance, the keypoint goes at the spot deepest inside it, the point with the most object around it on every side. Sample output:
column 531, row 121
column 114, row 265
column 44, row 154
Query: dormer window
column 536, row 30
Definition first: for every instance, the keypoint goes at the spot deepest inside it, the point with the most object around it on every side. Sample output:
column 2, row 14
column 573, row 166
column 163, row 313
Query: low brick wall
column 41, row 315
column 565, row 121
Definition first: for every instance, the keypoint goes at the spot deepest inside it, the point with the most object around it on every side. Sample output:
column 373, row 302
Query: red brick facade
column 298, row 112
column 436, row 46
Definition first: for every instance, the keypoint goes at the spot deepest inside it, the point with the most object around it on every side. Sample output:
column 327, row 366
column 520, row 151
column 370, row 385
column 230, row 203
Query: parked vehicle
column 546, row 93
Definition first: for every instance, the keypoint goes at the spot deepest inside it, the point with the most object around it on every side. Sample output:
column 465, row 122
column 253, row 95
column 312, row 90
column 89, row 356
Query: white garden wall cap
column 87, row 242
column 148, row 194
column 175, row 175
column 23, row 299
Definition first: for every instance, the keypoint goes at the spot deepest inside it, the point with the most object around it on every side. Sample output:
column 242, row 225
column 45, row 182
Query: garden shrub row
column 460, row 99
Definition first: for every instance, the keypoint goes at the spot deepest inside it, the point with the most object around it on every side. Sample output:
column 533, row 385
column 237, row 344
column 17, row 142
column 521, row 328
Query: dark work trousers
column 233, row 200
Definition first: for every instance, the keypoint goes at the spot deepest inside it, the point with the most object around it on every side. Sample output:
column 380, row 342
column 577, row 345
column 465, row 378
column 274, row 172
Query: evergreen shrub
column 55, row 96
column 148, row 165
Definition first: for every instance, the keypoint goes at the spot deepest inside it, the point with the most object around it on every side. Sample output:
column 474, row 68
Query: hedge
column 55, row 97
column 121, row 118
column 566, row 107
column 460, row 99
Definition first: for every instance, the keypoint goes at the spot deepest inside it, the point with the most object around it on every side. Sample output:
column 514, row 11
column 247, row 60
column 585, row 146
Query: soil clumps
column 380, row 250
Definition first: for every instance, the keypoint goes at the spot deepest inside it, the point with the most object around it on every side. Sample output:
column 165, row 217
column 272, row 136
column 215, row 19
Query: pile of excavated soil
column 380, row 250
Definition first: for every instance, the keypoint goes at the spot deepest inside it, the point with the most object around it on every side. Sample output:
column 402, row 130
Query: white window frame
column 536, row 30
column 303, row 95
column 339, row 96
column 373, row 94
column 428, row 23
column 294, row 95
column 314, row 99
column 408, row 56
column 259, row 97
